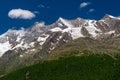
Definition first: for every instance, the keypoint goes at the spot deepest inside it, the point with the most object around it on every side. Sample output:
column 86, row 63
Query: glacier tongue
column 75, row 32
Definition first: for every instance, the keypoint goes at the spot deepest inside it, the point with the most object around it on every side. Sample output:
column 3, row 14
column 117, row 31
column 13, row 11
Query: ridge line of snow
column 65, row 22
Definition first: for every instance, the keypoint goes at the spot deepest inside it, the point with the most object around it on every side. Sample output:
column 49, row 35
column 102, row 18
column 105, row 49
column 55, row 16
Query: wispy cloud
column 36, row 12
column 21, row 14
column 84, row 4
column 42, row 6
column 91, row 10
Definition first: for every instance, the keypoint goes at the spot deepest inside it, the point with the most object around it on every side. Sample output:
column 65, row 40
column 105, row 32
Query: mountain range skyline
column 24, row 13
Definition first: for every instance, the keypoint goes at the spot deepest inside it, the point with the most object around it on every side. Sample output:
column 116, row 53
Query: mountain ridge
column 75, row 28
column 26, row 46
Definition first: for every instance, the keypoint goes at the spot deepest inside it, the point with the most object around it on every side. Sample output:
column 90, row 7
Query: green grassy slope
column 85, row 67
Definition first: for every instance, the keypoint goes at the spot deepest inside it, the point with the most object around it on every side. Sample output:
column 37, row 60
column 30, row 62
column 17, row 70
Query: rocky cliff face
column 27, row 45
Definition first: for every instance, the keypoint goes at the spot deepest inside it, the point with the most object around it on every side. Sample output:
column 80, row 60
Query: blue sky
column 13, row 12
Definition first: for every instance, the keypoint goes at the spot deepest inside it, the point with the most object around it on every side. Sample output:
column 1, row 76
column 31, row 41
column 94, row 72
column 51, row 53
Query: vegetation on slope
column 85, row 67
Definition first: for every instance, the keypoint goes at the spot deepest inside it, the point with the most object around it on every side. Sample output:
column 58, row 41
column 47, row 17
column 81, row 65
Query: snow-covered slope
column 75, row 32
column 4, row 47
column 24, row 38
column 90, row 26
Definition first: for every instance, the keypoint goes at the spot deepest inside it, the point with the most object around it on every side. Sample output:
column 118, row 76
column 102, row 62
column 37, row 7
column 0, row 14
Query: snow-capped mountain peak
column 107, row 16
column 64, row 22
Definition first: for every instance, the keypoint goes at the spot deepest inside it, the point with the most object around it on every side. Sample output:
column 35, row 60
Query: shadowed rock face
column 36, row 42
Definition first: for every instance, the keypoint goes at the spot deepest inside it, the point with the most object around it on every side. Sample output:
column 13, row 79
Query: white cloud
column 84, row 4
column 91, row 10
column 21, row 14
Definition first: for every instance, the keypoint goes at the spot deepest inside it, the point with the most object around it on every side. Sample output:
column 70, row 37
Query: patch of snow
column 42, row 40
column 39, row 24
column 110, row 32
column 111, row 16
column 21, row 56
column 20, row 34
column 22, row 45
column 32, row 50
column 66, row 23
column 56, row 29
column 91, row 22
column 74, row 32
column 19, row 45
column 32, row 44
column 26, row 46
column 65, row 40
column 52, row 43
column 114, row 17
column 4, row 47
column 91, row 28
column 60, row 37
column 18, row 38
column 59, row 24
column 52, row 48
